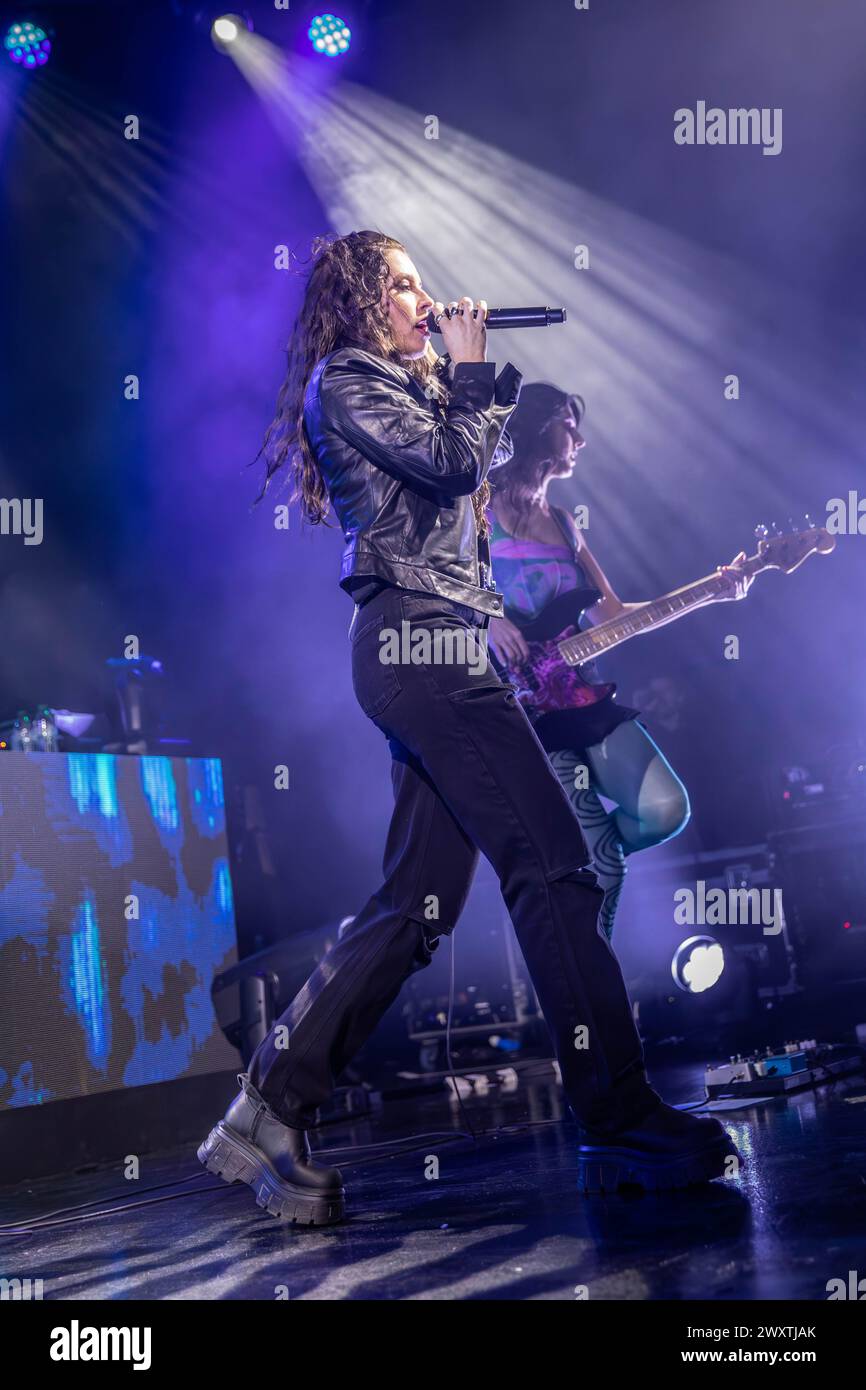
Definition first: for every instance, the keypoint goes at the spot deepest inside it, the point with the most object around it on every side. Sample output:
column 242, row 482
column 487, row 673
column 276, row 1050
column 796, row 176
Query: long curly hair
column 517, row 482
column 342, row 307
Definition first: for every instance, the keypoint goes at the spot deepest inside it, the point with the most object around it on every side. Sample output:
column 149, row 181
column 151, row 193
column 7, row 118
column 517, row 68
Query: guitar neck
column 587, row 645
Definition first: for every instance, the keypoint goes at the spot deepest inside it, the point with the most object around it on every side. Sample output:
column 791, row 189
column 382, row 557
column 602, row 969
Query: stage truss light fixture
column 227, row 28
column 329, row 35
column 698, row 964
column 27, row 45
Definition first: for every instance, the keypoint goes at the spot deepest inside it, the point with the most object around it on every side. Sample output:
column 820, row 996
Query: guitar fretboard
column 589, row 644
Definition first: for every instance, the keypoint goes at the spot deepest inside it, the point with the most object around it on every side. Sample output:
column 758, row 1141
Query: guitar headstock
column 786, row 552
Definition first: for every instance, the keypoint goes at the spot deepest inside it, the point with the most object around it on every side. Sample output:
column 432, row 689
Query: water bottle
column 44, row 731
column 22, row 736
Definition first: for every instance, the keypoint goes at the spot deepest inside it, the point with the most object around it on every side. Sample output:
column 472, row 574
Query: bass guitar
column 550, row 677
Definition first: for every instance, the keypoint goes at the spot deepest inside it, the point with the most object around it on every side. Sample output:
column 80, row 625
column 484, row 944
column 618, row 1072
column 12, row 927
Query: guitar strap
column 563, row 521
column 567, row 527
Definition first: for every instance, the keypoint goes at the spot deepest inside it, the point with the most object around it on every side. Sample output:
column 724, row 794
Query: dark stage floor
column 503, row 1220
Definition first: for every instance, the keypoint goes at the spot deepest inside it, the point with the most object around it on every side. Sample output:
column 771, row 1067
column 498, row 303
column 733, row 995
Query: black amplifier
column 822, row 866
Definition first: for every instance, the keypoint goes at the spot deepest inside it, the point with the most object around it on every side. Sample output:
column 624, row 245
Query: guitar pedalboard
column 779, row 1070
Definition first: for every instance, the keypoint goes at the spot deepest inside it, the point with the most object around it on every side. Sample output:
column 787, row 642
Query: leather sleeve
column 364, row 403
column 504, row 450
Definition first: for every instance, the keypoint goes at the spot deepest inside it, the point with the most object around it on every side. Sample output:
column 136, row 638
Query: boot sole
column 231, row 1158
column 605, row 1169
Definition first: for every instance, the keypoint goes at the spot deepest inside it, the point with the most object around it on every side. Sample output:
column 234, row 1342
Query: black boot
column 250, row 1144
column 666, row 1148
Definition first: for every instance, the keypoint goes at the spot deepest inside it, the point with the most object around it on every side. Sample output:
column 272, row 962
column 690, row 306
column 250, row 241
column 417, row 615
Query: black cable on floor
column 42, row 1223
column 60, row 1217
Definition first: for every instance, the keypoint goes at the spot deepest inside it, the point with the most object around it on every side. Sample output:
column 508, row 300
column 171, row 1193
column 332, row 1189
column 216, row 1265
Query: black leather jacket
column 400, row 469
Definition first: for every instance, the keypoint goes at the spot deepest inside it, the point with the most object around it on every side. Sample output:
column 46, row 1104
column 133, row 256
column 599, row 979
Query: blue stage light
column 329, row 35
column 27, row 45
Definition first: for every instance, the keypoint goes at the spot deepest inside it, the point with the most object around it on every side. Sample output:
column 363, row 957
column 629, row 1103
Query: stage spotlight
column 698, row 964
column 226, row 29
column 329, row 35
column 27, row 45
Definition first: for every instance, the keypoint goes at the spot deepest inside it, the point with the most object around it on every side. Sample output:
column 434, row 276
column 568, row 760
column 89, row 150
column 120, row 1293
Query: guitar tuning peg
column 809, row 522
column 760, row 532
column 793, row 525
column 774, row 529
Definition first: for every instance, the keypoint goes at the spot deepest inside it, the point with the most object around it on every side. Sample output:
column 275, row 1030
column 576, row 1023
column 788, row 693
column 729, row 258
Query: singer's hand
column 464, row 335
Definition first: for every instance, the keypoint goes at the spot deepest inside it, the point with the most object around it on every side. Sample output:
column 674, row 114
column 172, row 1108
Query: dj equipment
column 139, row 693
column 510, row 318
column 116, row 910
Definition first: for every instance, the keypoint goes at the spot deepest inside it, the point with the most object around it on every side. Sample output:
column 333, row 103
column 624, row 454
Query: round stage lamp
column 226, row 29
column 329, row 35
column 698, row 964
column 27, row 45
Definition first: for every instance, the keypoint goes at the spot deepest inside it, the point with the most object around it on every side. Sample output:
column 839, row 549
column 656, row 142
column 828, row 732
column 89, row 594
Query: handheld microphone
column 511, row 318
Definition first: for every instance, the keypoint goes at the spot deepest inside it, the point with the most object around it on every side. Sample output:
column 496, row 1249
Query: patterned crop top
column 531, row 573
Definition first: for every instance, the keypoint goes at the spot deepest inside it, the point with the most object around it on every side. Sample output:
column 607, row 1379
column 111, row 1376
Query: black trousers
column 469, row 775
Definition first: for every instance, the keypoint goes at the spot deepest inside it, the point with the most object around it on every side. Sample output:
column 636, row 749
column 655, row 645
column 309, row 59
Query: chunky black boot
column 250, row 1144
column 666, row 1148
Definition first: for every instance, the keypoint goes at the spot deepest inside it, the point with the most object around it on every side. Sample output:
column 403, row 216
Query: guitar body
column 545, row 682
